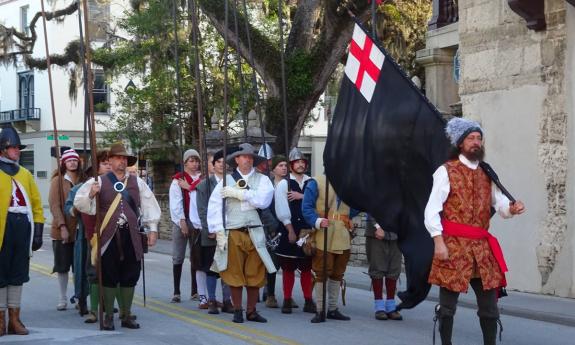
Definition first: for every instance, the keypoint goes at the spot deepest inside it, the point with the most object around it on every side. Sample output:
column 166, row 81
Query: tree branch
column 7, row 35
column 266, row 54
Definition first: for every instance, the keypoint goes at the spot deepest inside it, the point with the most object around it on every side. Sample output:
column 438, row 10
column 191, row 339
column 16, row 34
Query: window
column 27, row 160
column 24, row 28
column 26, row 90
column 101, row 93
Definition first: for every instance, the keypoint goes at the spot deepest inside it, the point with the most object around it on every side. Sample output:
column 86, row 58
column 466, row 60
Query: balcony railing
column 445, row 12
column 20, row 115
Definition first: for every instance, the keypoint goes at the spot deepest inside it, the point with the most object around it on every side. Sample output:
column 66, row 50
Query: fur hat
column 191, row 153
column 458, row 128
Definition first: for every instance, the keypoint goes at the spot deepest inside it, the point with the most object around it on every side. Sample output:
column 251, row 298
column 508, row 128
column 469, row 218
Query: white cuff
column 318, row 223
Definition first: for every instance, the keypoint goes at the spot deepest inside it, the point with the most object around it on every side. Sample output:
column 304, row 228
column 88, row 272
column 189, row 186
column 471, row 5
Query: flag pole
column 374, row 18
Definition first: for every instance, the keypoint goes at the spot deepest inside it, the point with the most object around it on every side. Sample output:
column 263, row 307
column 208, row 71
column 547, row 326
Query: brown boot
column 15, row 326
column 2, row 323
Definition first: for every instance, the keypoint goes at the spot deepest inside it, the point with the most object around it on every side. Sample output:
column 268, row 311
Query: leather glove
column 221, row 239
column 232, row 192
column 37, row 240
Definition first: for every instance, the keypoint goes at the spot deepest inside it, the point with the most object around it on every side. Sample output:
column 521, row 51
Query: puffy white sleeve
column 82, row 200
column 150, row 209
column 282, row 209
column 262, row 196
column 439, row 193
column 215, row 220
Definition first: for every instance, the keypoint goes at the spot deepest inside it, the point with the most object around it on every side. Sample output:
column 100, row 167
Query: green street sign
column 60, row 137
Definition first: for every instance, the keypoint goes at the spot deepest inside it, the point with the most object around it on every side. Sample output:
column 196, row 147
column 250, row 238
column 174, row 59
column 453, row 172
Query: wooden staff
column 89, row 81
column 199, row 98
column 284, row 89
column 226, row 101
column 53, row 107
column 178, row 102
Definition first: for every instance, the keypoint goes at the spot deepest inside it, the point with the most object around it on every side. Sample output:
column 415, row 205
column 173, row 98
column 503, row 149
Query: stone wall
column 165, row 226
column 358, row 256
column 513, row 82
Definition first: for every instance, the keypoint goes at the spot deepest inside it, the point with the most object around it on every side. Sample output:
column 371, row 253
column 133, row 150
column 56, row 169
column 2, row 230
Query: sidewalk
column 519, row 304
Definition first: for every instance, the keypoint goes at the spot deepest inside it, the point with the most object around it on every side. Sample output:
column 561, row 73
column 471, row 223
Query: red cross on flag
column 364, row 63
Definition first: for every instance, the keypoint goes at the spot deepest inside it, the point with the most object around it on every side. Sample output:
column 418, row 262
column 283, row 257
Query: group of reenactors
column 253, row 214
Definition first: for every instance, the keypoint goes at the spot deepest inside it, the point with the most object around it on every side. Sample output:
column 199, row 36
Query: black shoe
column 318, row 318
column 287, row 306
column 309, row 306
column 394, row 315
column 91, row 318
column 238, row 316
column 213, row 307
column 129, row 323
column 255, row 317
column 108, row 324
column 228, row 307
column 381, row 315
column 336, row 315
column 132, row 317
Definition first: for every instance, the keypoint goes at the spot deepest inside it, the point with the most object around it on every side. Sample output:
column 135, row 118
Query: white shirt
column 149, row 207
column 177, row 204
column 282, row 209
column 440, row 192
column 260, row 197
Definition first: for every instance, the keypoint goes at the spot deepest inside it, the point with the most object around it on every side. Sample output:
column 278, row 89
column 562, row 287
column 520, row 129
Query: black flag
column 384, row 144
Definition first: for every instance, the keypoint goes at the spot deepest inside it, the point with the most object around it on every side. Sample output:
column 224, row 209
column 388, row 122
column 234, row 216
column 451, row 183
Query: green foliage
column 403, row 31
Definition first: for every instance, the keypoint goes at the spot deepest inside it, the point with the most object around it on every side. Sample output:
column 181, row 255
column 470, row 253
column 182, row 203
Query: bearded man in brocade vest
column 21, row 226
column 457, row 217
column 241, row 255
column 339, row 227
column 124, row 202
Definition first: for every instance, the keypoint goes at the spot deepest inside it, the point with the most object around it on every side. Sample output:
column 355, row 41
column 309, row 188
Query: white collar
column 470, row 164
column 248, row 175
column 305, row 177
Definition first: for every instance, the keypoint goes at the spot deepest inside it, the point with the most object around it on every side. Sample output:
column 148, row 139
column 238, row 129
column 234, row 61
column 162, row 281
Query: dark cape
column 380, row 157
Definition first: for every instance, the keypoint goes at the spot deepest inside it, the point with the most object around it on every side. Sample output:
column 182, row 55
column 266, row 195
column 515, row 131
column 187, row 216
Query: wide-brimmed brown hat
column 118, row 149
column 244, row 149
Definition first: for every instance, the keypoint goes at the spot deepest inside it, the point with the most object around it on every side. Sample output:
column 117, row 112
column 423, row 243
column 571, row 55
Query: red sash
column 185, row 193
column 475, row 233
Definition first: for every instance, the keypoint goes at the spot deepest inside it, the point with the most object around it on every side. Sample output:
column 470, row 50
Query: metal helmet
column 295, row 154
column 10, row 138
column 268, row 153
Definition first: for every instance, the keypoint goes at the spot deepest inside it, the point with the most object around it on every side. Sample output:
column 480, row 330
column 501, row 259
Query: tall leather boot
column 2, row 322
column 489, row 329
column 15, row 326
column 445, row 329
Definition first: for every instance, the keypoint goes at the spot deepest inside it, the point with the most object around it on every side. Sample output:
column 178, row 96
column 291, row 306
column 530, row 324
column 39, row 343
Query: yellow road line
column 170, row 309
column 206, row 325
column 224, row 322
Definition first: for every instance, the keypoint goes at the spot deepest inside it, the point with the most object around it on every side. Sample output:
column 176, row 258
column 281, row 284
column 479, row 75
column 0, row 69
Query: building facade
column 515, row 62
column 24, row 93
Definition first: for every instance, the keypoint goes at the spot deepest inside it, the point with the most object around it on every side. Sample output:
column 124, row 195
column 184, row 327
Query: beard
column 475, row 155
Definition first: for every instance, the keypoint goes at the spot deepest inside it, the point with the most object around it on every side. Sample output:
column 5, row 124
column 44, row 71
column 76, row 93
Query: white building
column 24, row 93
